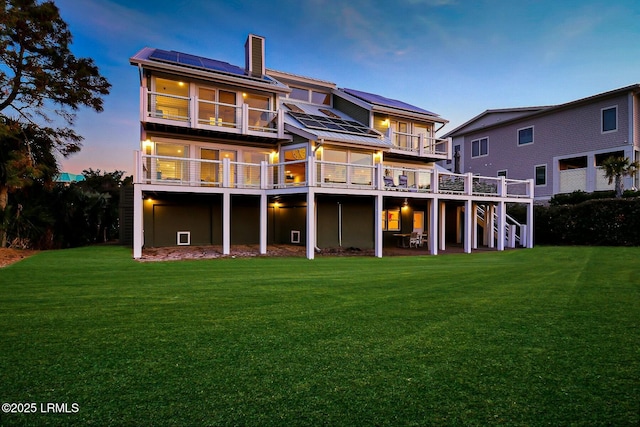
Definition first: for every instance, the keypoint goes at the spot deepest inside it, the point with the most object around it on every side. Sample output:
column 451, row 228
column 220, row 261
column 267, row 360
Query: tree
column 40, row 80
column 616, row 167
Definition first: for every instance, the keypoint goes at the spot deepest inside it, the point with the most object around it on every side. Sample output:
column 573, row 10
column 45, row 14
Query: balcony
column 194, row 113
column 419, row 145
column 188, row 172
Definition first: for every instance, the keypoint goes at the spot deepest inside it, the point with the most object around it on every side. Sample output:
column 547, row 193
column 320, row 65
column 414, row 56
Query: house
column 561, row 147
column 234, row 155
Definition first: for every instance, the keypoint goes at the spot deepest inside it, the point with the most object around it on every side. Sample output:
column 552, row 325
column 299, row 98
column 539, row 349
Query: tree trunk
column 4, row 201
column 618, row 186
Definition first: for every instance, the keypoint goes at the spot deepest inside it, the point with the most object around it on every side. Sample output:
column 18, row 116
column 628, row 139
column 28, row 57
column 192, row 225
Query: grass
column 547, row 336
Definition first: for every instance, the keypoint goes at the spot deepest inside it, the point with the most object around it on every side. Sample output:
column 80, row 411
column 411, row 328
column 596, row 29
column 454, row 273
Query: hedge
column 597, row 222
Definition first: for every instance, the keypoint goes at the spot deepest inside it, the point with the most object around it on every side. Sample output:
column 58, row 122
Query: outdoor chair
column 415, row 240
column 403, row 182
column 388, row 182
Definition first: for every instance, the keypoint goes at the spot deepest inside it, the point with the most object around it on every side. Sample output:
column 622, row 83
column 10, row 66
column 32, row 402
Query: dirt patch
column 175, row 253
column 9, row 256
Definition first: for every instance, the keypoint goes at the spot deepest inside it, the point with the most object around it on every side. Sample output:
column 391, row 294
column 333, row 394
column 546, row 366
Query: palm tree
column 617, row 167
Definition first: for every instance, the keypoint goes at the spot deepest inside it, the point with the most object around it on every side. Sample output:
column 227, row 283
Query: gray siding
column 565, row 133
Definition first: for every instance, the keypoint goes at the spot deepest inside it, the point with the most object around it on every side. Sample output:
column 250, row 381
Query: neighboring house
column 232, row 155
column 561, row 147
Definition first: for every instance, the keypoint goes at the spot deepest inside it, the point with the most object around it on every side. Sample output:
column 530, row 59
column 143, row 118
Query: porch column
column 474, row 226
column 377, row 226
column 530, row 225
column 490, row 225
column 263, row 224
column 502, row 222
column 433, row 226
column 138, row 221
column 443, row 220
column 468, row 225
column 311, row 224
column 226, row 223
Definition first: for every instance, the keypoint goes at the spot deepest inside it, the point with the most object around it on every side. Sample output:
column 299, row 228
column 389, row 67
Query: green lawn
column 546, row 336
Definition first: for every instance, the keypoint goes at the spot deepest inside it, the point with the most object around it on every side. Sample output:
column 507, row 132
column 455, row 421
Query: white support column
column 263, row 224
column 511, row 242
column 433, row 226
column 474, row 226
column 443, row 221
column 377, row 227
column 502, row 222
column 468, row 225
column 311, row 224
column 490, row 223
column 226, row 172
column 226, row 223
column 530, row 225
column 138, row 221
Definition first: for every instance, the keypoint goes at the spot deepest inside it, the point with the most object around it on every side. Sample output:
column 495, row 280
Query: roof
column 498, row 117
column 168, row 59
column 385, row 102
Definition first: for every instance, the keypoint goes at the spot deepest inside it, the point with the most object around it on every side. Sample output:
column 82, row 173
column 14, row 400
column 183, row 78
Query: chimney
column 254, row 55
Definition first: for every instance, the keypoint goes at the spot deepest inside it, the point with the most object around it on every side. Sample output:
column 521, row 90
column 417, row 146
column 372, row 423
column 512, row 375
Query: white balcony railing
column 202, row 114
column 180, row 171
column 419, row 144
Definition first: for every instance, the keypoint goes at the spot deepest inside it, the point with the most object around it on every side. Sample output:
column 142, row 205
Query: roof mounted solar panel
column 332, row 124
column 196, row 61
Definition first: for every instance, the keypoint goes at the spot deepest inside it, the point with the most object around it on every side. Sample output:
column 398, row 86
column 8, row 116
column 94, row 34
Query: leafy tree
column 617, row 167
column 40, row 80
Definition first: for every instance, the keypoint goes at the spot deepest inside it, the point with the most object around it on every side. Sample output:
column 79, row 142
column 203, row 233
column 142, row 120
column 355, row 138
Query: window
column 301, row 94
column 609, row 119
column 216, row 107
column 391, row 220
column 541, row 175
column 480, row 147
column 170, row 100
column 169, row 166
column 320, row 98
column 525, row 136
column 502, row 173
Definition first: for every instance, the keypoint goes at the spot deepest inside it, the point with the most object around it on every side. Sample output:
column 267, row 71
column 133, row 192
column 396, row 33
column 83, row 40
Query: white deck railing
column 202, row 114
column 419, row 144
column 167, row 170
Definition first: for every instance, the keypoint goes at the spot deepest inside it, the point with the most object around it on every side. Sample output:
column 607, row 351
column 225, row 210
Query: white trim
column 546, row 175
column 180, row 235
column 506, row 172
column 602, row 131
column 480, row 147
column 295, row 236
column 533, row 136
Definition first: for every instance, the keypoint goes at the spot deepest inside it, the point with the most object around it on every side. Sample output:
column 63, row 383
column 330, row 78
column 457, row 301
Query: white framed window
column 525, row 136
column 480, row 147
column 609, row 119
column 540, row 173
column 391, row 219
column 502, row 172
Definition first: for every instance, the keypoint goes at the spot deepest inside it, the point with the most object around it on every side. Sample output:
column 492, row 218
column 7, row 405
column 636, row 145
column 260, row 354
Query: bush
column 597, row 222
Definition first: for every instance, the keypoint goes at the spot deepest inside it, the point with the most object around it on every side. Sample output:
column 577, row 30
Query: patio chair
column 415, row 240
column 403, row 182
column 388, row 182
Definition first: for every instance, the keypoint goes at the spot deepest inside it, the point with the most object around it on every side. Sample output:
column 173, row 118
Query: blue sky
column 456, row 58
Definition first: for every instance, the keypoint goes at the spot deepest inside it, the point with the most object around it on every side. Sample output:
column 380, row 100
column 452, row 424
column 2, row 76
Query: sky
column 456, row 58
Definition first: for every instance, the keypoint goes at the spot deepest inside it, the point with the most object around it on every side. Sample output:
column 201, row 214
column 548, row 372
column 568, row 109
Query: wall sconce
column 405, row 205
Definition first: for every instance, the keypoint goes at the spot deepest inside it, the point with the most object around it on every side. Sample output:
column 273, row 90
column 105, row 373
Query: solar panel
column 195, row 61
column 333, row 124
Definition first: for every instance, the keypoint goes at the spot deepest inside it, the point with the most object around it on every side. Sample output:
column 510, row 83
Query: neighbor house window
column 480, row 147
column 525, row 136
column 541, row 175
column 391, row 220
column 609, row 119
column 502, row 173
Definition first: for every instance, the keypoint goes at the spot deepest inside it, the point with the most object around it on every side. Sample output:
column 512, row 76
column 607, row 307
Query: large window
column 480, row 147
column 541, row 175
column 609, row 119
column 212, row 172
column 391, row 220
column 216, row 107
column 170, row 100
column 525, row 136
column 170, row 166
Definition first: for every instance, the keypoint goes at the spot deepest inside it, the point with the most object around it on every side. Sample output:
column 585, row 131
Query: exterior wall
column 563, row 134
column 245, row 220
column 357, row 227
column 349, row 108
column 288, row 215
